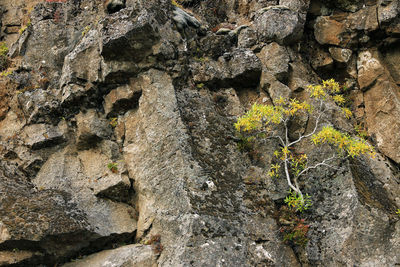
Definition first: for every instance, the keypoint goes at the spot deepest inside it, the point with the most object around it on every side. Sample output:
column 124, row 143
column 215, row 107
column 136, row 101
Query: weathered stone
column 39, row 106
column 16, row 257
column 382, row 108
column 122, row 99
column 340, row 54
column 276, row 60
column 41, row 135
column 210, row 203
column 215, row 46
column 392, row 57
column 241, row 69
column 83, row 63
column 328, row 31
column 364, row 19
column 321, row 60
column 128, row 37
column 275, row 89
column 83, row 175
column 388, row 12
column 247, row 38
column 91, row 129
column 126, row 256
column 279, row 24
column 30, row 216
column 10, row 126
column 369, row 69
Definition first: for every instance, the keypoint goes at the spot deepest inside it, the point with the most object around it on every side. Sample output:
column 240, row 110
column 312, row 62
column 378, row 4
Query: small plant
column 23, row 28
column 297, row 233
column 297, row 202
column 3, row 56
column 6, row 73
column 293, row 228
column 398, row 212
column 200, row 85
column 201, row 59
column 113, row 167
column 85, row 30
column 114, row 122
column 361, row 131
column 175, row 3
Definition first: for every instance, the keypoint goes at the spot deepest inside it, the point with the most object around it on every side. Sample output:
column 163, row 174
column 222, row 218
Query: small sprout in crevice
column 113, row 167
column 114, row 122
column 85, row 30
column 4, row 62
column 6, row 73
column 297, row 202
column 175, row 3
column 200, row 85
column 398, row 212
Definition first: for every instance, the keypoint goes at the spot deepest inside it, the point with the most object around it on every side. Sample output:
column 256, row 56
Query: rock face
column 117, row 145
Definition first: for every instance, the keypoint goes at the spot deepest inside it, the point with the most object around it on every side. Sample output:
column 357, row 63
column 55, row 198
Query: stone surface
column 279, row 24
column 369, row 69
column 122, row 99
column 276, row 60
column 392, row 56
column 41, row 135
column 84, row 175
column 328, row 31
column 241, row 69
column 340, row 54
column 91, row 128
column 116, row 131
column 126, row 256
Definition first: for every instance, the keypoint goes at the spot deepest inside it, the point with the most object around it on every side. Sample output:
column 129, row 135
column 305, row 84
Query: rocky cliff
column 117, row 145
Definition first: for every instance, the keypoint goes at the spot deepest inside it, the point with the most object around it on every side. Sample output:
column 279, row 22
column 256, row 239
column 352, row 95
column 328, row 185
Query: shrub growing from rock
column 272, row 122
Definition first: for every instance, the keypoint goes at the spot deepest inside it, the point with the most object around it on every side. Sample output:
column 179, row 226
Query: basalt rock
column 117, row 144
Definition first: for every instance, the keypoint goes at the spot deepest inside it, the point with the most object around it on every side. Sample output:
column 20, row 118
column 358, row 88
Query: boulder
column 341, row 55
column 128, row 36
column 275, row 59
column 279, row 24
column 241, row 68
column 275, row 88
column 247, row 38
column 328, row 31
column 92, row 185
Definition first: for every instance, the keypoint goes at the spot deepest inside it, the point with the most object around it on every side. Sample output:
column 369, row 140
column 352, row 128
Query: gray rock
column 38, row 136
column 275, row 88
column 83, row 175
column 243, row 69
column 126, row 256
column 91, row 129
column 247, row 38
column 184, row 20
column 275, row 59
column 340, row 54
column 122, row 99
column 128, row 36
column 279, row 24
